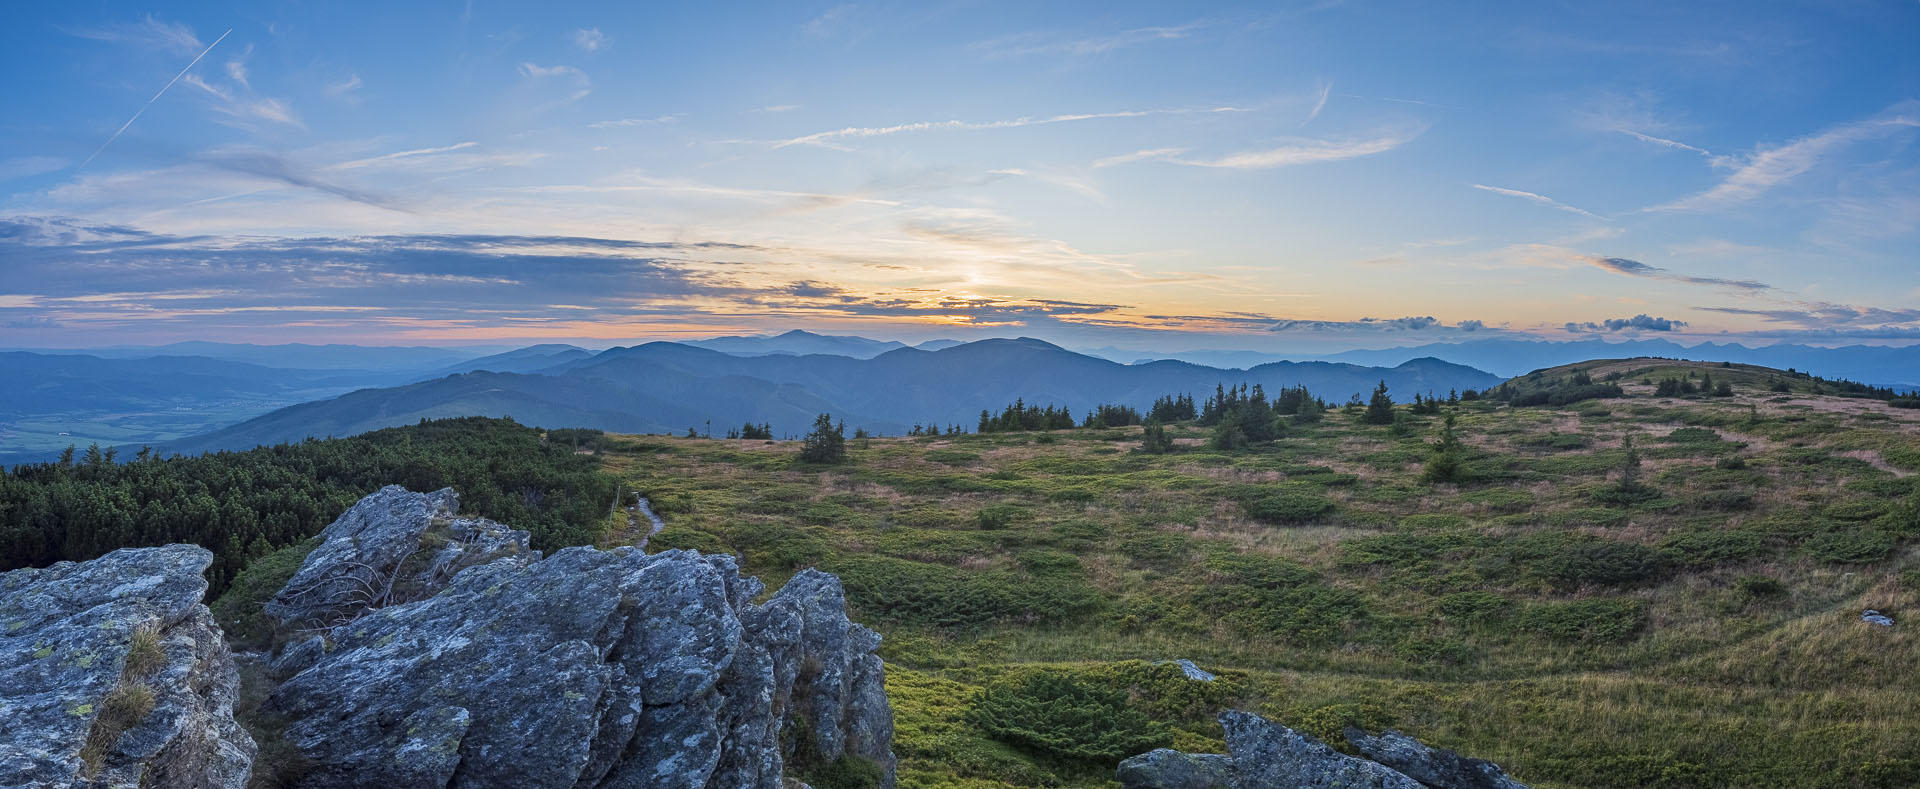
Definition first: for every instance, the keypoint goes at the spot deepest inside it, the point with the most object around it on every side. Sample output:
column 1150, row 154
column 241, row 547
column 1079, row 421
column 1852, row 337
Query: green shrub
column 847, row 772
column 1604, row 562
column 1599, row 620
column 932, row 595
column 1330, row 723
column 1162, row 690
column 1062, row 715
column 1434, row 522
column 1429, row 649
column 1159, row 550
column 1705, row 548
column 1290, row 506
column 1472, row 606
column 1851, row 547
column 239, row 610
column 1079, row 535
column 953, row 457
column 1759, row 586
column 1693, row 435
column 1401, row 550
column 998, row 516
column 1270, row 597
column 1724, row 500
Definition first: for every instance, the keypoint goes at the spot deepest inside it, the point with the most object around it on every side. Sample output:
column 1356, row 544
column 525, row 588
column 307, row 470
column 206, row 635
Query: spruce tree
column 826, row 444
column 1380, row 407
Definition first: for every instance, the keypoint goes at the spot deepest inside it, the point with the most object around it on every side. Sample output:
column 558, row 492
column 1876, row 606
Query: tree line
column 243, row 505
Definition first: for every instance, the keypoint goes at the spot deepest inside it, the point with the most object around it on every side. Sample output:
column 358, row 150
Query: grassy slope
column 1516, row 618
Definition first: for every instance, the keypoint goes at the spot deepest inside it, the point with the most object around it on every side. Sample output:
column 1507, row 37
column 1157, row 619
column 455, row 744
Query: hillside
column 1701, row 628
column 670, row 387
column 1880, row 365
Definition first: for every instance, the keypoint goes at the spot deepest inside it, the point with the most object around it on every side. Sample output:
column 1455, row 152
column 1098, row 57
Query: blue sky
column 1280, row 177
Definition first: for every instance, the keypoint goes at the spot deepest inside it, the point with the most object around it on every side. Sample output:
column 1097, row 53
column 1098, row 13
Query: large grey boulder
column 1165, row 768
column 361, row 562
column 1262, row 754
column 1428, row 765
column 1267, row 754
column 112, row 673
column 588, row 668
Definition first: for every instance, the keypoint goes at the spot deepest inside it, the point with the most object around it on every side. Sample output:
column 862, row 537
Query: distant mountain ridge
column 798, row 342
column 669, row 387
column 1898, row 367
column 375, row 358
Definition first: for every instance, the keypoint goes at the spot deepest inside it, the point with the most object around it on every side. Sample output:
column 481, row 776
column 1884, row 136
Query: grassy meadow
column 1703, row 631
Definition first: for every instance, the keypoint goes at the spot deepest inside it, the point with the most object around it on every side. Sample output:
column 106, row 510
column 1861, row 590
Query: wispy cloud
column 1138, row 156
column 627, row 123
column 277, row 168
column 373, row 160
column 1536, row 198
column 828, row 22
column 1254, row 321
column 148, row 32
column 344, row 88
column 590, row 39
column 241, row 107
column 1635, row 268
column 1675, row 145
column 582, row 85
column 1325, row 91
column 771, row 108
column 1829, row 315
column 1034, row 43
column 825, row 138
column 534, row 71
column 1771, row 167
column 23, row 166
column 1293, row 152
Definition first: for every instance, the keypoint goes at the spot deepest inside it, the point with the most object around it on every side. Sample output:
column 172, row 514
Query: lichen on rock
column 113, row 673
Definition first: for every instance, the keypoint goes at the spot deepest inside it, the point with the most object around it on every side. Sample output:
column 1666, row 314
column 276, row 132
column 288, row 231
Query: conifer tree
column 827, row 443
column 1379, row 407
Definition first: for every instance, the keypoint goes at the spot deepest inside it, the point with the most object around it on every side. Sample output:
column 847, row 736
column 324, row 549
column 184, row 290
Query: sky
column 1280, row 177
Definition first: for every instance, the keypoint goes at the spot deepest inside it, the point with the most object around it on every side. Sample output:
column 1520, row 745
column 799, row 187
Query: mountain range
column 1880, row 365
column 799, row 342
column 670, row 387
column 201, row 395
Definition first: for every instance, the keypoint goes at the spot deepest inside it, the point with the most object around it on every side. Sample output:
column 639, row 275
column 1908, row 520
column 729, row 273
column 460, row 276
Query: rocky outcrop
column 1428, row 765
column 588, row 668
column 1262, row 754
column 112, row 673
column 1268, row 754
column 394, row 545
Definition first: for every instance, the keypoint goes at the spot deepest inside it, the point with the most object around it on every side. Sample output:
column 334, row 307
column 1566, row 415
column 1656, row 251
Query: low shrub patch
column 1063, row 715
column 1598, row 620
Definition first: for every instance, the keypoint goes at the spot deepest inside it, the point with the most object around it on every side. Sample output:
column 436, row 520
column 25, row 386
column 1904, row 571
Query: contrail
column 156, row 97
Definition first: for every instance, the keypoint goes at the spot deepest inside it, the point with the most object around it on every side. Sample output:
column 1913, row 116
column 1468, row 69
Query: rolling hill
column 670, row 387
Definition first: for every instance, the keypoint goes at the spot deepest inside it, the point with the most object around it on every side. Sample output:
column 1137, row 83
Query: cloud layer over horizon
column 1234, row 176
